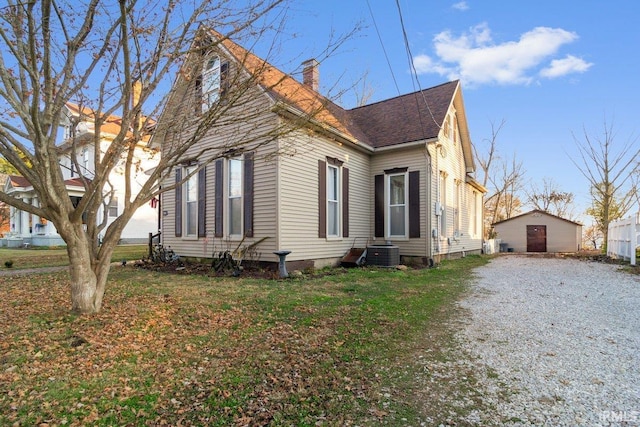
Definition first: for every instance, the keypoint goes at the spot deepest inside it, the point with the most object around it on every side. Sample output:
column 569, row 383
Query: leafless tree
column 609, row 168
column 486, row 160
column 94, row 54
column 363, row 90
column 635, row 185
column 550, row 198
column 591, row 237
column 503, row 177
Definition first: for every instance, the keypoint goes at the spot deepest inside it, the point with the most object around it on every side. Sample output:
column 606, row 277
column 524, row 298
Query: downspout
column 436, row 236
column 434, row 247
column 428, row 200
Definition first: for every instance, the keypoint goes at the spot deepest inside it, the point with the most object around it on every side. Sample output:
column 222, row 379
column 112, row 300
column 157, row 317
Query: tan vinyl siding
column 219, row 140
column 298, row 198
column 415, row 159
column 450, row 160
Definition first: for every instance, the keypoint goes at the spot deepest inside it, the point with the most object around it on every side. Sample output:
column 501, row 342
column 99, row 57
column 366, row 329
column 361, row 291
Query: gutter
column 407, row 145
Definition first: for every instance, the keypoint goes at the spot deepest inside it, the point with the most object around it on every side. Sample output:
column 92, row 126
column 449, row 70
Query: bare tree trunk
column 84, row 295
column 88, row 273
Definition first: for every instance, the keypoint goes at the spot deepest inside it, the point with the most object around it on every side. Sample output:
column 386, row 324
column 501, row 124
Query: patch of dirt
column 195, row 268
column 597, row 256
column 250, row 270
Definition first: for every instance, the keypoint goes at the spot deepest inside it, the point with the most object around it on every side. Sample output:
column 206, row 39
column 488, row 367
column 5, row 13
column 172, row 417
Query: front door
column 536, row 238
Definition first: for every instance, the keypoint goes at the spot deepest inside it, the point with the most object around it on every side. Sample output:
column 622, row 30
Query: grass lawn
column 53, row 257
column 177, row 349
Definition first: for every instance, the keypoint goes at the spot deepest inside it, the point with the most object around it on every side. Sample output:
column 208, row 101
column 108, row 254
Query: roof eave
column 407, row 145
column 475, row 184
column 285, row 109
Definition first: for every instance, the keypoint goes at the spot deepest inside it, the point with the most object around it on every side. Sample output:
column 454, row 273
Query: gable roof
column 407, row 118
column 538, row 211
column 111, row 125
column 19, row 181
column 284, row 88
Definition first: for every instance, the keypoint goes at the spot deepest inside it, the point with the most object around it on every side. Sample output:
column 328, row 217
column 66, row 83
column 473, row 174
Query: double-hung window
column 475, row 211
column 333, row 201
column 113, row 207
column 234, row 195
column 443, row 204
column 397, row 204
column 213, row 84
column 191, row 203
column 210, row 82
column 457, row 218
column 397, row 219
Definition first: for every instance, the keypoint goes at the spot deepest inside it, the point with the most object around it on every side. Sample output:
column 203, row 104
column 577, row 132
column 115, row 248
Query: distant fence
column 624, row 238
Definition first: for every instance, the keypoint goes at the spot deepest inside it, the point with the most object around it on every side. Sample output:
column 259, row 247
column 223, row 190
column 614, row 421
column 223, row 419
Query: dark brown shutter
column 219, row 198
column 198, row 95
column 414, row 204
column 178, row 206
column 379, row 205
column 248, row 194
column 345, row 202
column 322, row 199
column 224, row 83
column 202, row 202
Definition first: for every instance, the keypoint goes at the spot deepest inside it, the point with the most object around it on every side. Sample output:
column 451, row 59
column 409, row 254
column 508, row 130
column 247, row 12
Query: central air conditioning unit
column 383, row 255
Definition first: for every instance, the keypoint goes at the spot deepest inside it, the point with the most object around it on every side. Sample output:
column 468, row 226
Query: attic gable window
column 213, row 81
column 450, row 128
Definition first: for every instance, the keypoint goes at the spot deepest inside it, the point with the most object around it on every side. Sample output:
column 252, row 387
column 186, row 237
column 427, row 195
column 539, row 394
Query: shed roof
column 533, row 212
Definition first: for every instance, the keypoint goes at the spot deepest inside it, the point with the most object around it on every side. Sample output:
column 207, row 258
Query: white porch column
column 24, row 220
column 14, row 219
column 35, row 219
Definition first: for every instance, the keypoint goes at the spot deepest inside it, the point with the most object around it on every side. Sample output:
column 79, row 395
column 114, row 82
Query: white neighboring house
column 26, row 228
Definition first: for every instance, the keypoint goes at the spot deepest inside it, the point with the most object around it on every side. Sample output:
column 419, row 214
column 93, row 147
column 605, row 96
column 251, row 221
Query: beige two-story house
column 309, row 176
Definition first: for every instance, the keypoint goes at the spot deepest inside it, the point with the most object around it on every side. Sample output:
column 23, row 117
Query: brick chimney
column 310, row 74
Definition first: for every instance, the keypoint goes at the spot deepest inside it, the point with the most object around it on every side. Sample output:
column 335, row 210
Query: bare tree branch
column 609, row 168
column 121, row 59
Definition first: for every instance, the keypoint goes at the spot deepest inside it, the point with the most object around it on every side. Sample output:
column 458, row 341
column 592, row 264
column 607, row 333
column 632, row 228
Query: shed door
column 536, row 238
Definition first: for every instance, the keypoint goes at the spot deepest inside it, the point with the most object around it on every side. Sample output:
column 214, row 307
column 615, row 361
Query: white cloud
column 476, row 59
column 462, row 5
column 561, row 67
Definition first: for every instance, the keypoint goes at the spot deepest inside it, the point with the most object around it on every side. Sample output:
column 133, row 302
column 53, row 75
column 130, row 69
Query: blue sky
column 549, row 69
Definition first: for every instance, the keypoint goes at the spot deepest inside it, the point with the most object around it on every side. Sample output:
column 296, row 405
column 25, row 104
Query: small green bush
column 8, row 264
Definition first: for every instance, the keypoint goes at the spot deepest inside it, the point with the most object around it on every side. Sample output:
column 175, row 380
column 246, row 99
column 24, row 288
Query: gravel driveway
column 554, row 342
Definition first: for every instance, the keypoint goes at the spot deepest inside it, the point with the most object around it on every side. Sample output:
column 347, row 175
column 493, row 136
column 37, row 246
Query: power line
column 375, row 25
column 414, row 71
